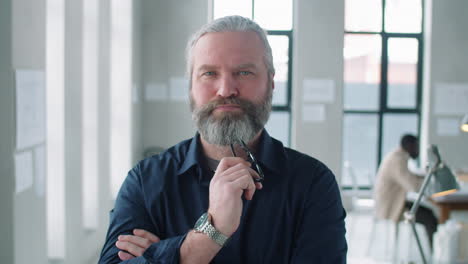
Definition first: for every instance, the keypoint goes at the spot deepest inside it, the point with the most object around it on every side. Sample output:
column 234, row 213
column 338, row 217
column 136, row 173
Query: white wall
column 167, row 26
column 23, row 46
column 104, row 193
column 447, row 57
column 137, row 149
column 83, row 246
column 318, row 54
column 28, row 52
column 73, row 135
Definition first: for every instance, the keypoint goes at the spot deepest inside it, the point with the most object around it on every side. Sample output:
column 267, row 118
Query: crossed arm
column 232, row 180
column 320, row 240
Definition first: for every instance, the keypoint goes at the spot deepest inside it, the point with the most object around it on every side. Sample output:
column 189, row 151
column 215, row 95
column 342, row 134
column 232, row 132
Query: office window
column 275, row 16
column 364, row 15
column 382, row 81
column 362, row 63
column 402, row 73
column 403, row 16
column 228, row 8
column 395, row 125
column 360, row 138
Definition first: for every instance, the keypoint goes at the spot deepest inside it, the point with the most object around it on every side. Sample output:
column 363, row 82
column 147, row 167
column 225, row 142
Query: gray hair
column 230, row 24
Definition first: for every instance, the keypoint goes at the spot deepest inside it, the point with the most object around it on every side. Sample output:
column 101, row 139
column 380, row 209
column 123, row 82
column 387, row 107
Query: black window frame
column 383, row 85
column 289, row 34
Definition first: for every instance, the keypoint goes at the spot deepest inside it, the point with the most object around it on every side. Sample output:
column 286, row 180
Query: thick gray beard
column 231, row 127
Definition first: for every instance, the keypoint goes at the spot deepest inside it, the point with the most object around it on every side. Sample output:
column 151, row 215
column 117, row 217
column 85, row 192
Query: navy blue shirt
column 297, row 217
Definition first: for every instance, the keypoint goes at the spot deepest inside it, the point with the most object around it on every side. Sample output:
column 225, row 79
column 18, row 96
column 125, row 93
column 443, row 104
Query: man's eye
column 209, row 73
column 244, row 73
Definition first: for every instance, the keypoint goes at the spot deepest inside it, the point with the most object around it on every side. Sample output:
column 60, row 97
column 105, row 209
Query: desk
column 451, row 202
column 447, row 207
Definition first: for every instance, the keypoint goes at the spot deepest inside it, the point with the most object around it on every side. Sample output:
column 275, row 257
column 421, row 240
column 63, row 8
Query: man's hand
column 135, row 244
column 233, row 178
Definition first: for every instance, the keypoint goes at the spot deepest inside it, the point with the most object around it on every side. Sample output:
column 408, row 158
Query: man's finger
column 130, row 248
column 146, row 234
column 237, row 171
column 247, row 184
column 259, row 185
column 228, row 162
column 125, row 256
column 136, row 240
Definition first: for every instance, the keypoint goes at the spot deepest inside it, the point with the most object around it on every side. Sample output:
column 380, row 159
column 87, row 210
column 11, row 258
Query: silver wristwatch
column 203, row 225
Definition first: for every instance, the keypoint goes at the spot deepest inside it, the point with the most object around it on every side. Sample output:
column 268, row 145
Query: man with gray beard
column 232, row 127
column 232, row 193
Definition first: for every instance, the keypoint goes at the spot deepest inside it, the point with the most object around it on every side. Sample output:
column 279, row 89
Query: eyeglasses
column 251, row 159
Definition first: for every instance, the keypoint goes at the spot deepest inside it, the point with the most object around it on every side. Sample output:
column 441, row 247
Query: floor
column 373, row 242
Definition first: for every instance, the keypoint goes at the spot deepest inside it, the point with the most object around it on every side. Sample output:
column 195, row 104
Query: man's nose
column 228, row 86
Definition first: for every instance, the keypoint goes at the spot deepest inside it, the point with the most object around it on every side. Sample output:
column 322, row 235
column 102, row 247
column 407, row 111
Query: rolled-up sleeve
column 165, row 251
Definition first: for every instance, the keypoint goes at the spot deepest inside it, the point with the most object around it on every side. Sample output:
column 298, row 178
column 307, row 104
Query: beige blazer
column 393, row 181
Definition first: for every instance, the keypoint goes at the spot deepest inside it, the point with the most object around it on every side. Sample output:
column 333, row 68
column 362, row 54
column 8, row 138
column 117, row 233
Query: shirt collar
column 270, row 153
column 194, row 155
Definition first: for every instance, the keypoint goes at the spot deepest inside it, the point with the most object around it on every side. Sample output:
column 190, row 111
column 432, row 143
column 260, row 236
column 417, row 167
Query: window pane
column 227, row 7
column 403, row 16
column 274, row 14
column 395, row 126
column 278, row 126
column 361, row 71
column 280, row 93
column 363, row 15
column 402, row 72
column 360, row 147
column 280, row 49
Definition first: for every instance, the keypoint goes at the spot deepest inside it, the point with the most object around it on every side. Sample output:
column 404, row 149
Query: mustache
column 242, row 103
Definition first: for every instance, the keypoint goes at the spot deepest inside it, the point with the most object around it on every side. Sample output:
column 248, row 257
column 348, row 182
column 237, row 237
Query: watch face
column 201, row 220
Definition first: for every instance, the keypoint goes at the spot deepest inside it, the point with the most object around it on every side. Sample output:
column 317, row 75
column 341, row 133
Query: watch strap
column 204, row 226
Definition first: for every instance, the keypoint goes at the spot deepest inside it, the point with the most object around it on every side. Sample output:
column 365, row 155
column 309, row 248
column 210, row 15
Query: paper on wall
column 40, row 170
column 313, row 112
column 156, row 92
column 30, row 108
column 23, row 171
column 179, row 88
column 448, row 126
column 318, row 90
column 451, row 98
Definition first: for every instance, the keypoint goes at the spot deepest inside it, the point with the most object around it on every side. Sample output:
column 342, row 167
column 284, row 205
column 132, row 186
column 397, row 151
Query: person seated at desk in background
column 394, row 180
column 295, row 215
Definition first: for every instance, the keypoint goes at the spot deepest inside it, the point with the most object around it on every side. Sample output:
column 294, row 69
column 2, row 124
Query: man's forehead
column 240, row 49
column 241, row 40
column 239, row 66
